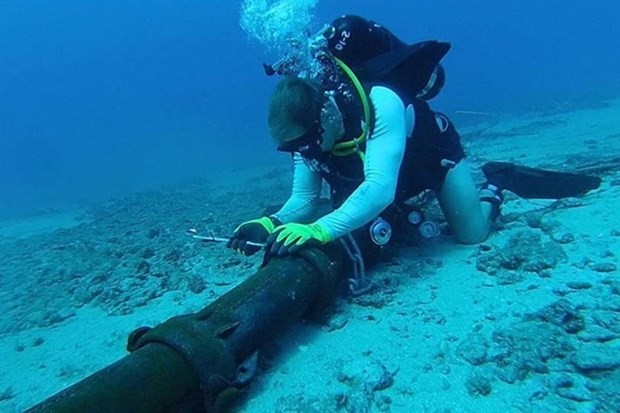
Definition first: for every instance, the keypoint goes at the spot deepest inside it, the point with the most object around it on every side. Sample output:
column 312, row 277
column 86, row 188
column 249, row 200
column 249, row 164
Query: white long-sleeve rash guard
column 384, row 154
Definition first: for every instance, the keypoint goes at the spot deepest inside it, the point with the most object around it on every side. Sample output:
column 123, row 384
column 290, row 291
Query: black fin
column 529, row 182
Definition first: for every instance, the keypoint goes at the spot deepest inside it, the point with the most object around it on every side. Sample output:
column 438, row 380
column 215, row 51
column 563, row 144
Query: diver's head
column 303, row 117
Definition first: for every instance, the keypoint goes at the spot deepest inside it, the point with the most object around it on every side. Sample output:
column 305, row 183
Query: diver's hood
column 409, row 67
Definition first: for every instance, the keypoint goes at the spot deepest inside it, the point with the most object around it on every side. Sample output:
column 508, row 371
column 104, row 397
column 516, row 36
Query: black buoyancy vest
column 377, row 56
column 406, row 69
column 345, row 173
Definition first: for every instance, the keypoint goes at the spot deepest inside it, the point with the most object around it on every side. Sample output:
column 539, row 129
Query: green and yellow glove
column 255, row 230
column 289, row 238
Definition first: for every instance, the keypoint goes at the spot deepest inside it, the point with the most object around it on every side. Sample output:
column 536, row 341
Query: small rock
column 597, row 357
column 544, row 274
column 478, row 384
column 564, row 381
column 582, row 263
column 337, row 322
column 143, row 267
column 594, row 333
column 474, row 349
column 509, row 277
column 539, row 394
column 571, row 388
column 565, row 238
column 231, row 262
column 196, row 284
column 59, row 316
column 368, row 372
column 511, row 373
column 607, row 254
column 604, row 267
column 607, row 319
column 576, row 394
column 533, row 220
column 383, row 404
column 561, row 313
column 153, row 233
column 579, row 285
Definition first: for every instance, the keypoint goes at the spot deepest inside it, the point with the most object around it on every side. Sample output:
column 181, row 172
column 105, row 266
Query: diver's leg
column 469, row 212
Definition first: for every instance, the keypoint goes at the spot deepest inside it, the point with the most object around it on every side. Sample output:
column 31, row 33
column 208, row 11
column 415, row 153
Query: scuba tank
column 374, row 54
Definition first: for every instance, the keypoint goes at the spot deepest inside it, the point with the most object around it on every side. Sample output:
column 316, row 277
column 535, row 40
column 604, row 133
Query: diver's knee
column 470, row 226
column 473, row 236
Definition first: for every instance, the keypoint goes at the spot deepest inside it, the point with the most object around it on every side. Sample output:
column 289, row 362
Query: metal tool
column 193, row 233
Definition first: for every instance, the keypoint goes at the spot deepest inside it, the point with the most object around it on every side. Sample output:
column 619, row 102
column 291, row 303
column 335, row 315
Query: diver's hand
column 255, row 230
column 289, row 238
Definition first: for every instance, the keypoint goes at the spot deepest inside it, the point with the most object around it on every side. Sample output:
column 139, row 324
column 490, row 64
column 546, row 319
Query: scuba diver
column 362, row 123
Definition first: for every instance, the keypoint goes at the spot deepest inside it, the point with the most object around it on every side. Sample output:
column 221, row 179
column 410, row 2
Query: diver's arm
column 384, row 154
column 304, row 196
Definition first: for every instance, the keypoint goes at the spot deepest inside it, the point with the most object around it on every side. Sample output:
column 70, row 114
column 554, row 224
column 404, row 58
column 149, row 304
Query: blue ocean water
column 101, row 98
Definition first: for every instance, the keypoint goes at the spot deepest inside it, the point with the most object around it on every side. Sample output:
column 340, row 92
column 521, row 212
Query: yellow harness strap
column 352, row 146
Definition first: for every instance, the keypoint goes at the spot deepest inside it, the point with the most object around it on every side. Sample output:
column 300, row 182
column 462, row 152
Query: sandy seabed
column 528, row 321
